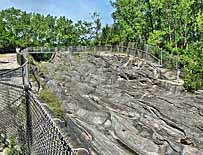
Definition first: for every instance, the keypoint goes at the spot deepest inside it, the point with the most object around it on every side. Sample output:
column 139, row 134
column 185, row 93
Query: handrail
column 111, row 48
column 12, row 85
column 12, row 70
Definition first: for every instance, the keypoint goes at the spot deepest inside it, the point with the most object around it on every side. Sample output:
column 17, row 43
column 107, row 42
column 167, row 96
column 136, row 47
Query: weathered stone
column 114, row 105
column 188, row 150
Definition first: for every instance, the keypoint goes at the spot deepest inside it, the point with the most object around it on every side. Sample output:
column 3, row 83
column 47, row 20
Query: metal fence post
column 28, row 108
column 161, row 57
column 127, row 51
column 146, row 51
column 28, row 119
column 95, row 49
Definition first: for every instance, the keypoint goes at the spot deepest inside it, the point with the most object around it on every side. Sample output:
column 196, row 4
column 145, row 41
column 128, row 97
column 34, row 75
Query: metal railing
column 157, row 56
column 140, row 53
column 24, row 119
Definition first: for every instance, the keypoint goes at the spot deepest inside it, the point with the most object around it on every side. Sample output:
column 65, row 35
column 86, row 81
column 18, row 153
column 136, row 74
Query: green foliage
column 48, row 97
column 156, row 37
column 12, row 147
column 175, row 26
column 192, row 61
column 110, row 35
column 42, row 68
column 22, row 29
column 200, row 21
column 84, row 32
column 42, row 56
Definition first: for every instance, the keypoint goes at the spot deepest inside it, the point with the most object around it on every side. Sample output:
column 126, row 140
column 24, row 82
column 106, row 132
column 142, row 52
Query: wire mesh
column 47, row 138
column 7, row 75
column 169, row 60
column 12, row 114
column 23, row 118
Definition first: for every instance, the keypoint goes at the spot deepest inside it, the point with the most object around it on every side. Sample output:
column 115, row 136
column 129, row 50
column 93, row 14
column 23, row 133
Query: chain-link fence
column 24, row 119
column 46, row 136
column 13, row 115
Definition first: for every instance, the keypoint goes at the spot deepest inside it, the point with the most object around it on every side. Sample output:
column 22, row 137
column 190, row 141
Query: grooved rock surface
column 114, row 105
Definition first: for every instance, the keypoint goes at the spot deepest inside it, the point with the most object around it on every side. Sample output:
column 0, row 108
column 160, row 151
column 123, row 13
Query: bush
column 42, row 56
column 193, row 69
column 12, row 147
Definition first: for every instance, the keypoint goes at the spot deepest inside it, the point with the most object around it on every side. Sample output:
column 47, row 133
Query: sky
column 72, row 9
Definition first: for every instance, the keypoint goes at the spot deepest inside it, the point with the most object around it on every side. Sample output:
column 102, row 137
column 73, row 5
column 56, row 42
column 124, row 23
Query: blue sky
column 72, row 9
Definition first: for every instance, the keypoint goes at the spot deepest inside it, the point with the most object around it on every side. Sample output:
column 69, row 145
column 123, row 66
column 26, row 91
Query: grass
column 48, row 97
column 12, row 150
column 43, row 68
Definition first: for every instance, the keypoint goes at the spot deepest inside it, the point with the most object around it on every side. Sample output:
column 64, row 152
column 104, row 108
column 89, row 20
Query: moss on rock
column 48, row 97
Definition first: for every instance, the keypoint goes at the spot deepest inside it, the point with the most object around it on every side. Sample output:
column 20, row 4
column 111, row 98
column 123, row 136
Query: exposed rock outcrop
column 116, row 106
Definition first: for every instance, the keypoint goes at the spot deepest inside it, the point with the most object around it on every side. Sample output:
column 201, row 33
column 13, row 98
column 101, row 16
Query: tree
column 174, row 25
column 65, row 32
column 96, row 27
column 19, row 28
column 84, row 32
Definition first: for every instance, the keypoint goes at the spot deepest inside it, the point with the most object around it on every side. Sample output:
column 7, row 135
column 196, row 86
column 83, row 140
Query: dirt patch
column 8, row 61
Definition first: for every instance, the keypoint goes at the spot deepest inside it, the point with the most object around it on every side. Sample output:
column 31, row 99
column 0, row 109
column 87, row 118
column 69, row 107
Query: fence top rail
column 153, row 56
column 11, row 85
column 84, row 48
column 9, row 71
column 12, row 70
